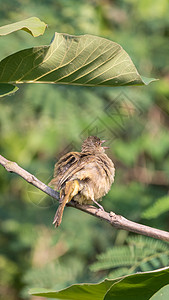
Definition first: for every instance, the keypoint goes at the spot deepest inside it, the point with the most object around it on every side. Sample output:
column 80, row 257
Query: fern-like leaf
column 159, row 207
column 141, row 254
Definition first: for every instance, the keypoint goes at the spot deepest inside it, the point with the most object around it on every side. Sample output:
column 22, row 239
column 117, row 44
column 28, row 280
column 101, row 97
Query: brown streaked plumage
column 84, row 176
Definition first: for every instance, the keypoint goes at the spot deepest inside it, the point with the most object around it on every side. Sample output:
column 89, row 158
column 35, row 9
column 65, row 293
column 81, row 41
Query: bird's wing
column 67, row 166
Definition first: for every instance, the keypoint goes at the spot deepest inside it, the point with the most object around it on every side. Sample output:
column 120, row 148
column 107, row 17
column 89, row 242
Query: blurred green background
column 41, row 122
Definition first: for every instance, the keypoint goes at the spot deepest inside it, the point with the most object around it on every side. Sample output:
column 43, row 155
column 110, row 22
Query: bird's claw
column 100, row 207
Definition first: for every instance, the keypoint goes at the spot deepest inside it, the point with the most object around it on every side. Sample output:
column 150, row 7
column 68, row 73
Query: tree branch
column 116, row 221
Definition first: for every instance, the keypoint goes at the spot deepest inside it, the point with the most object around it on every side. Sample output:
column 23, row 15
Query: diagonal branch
column 116, row 221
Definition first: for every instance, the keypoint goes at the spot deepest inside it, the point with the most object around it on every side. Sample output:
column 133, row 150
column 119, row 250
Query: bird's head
column 93, row 144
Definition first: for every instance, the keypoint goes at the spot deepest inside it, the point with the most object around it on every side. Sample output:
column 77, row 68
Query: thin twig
column 116, row 221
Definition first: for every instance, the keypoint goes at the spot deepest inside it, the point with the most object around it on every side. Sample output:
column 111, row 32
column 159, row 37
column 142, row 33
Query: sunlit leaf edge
column 33, row 26
column 112, row 283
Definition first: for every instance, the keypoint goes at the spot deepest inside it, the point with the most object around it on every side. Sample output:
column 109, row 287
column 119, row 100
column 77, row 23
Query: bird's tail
column 71, row 189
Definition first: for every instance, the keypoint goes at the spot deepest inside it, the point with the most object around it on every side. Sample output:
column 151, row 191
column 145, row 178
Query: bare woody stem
column 116, row 221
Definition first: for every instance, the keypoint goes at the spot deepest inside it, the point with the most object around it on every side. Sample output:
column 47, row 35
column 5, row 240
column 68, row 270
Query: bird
column 84, row 177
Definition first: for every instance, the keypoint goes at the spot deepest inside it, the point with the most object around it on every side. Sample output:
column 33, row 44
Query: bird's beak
column 103, row 141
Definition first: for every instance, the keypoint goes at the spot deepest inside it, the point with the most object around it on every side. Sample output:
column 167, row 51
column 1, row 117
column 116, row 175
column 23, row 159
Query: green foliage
column 32, row 25
column 141, row 286
column 162, row 294
column 159, row 207
column 67, row 61
column 141, row 254
column 40, row 122
column 7, row 89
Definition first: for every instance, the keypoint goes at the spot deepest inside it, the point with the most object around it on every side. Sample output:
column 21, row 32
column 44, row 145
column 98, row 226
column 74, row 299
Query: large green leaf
column 140, row 286
column 84, row 291
column 77, row 60
column 33, row 25
column 162, row 294
column 7, row 89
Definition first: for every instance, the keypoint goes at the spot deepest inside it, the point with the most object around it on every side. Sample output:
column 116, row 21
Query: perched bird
column 84, row 176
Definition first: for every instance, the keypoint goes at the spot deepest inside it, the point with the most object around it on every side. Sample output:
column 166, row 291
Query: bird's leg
column 61, row 196
column 101, row 207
